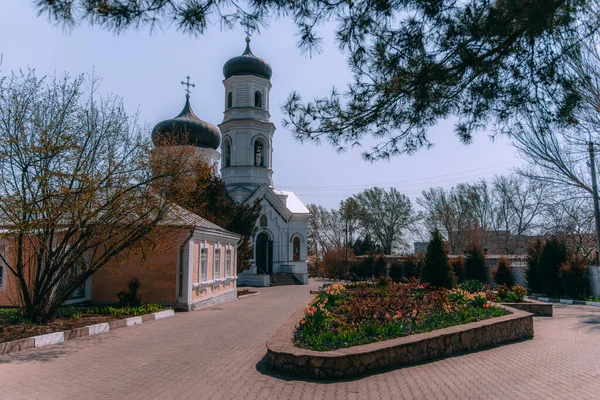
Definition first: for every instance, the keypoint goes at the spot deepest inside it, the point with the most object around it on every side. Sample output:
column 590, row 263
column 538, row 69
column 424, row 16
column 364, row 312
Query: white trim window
column 203, row 264
column 3, row 268
column 228, row 263
column 217, row 260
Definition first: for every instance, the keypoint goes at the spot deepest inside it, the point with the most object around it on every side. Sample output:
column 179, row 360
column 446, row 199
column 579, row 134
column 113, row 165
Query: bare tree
column 572, row 220
column 326, row 228
column 449, row 212
column 481, row 206
column 558, row 154
column 77, row 187
column 519, row 203
column 386, row 215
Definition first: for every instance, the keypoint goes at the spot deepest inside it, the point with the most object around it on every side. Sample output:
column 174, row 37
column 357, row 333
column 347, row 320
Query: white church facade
column 246, row 140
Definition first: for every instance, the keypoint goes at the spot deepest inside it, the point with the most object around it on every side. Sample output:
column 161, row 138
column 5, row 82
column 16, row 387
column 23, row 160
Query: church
column 245, row 137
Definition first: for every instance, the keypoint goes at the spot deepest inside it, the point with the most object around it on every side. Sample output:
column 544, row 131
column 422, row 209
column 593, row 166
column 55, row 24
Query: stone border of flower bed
column 565, row 301
column 352, row 362
column 59, row 337
column 537, row 308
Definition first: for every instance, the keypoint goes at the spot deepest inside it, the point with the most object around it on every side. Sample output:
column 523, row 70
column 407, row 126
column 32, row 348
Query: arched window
column 258, row 99
column 263, row 220
column 229, row 100
column 296, row 248
column 259, row 156
column 227, row 154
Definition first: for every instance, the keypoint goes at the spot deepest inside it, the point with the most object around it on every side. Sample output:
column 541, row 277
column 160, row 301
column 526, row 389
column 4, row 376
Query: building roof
column 179, row 216
column 187, row 129
column 247, row 64
column 292, row 202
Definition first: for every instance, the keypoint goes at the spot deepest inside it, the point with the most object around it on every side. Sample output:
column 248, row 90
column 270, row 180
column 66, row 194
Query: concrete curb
column 60, row 337
column 564, row 301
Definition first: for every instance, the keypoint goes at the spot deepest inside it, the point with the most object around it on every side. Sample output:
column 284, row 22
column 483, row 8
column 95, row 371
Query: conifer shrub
column 458, row 266
column 532, row 273
column 574, row 279
column 503, row 273
column 436, row 268
column 475, row 267
column 553, row 255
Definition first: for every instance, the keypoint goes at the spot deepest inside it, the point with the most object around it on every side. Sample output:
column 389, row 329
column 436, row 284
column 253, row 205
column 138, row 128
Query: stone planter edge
column 352, row 362
column 59, row 337
column 537, row 308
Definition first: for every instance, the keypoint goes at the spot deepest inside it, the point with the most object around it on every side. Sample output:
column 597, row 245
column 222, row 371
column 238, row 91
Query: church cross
column 188, row 84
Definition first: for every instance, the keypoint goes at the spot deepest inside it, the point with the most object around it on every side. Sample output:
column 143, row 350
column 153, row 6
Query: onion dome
column 187, row 129
column 247, row 64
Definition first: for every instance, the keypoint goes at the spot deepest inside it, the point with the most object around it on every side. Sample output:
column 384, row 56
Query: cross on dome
column 188, row 84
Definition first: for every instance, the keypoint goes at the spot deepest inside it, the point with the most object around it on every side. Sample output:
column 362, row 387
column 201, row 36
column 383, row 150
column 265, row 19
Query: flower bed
column 14, row 327
column 346, row 316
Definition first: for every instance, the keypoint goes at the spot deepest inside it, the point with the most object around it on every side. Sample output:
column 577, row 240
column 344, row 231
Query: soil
column 21, row 331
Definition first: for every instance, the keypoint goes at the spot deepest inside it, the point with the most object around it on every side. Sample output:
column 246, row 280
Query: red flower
column 486, row 305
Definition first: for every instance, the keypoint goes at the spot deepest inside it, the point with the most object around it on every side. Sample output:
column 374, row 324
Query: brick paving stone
column 218, row 353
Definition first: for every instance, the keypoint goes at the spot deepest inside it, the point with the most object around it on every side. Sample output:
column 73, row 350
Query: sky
column 146, row 69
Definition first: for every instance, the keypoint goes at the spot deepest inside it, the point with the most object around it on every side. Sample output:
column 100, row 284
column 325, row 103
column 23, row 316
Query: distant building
column 420, row 247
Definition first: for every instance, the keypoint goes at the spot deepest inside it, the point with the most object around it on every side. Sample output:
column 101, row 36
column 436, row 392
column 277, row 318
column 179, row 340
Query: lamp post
column 595, row 194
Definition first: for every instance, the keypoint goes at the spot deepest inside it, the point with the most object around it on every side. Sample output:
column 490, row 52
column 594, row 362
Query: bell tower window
column 258, row 99
column 229, row 100
column 227, row 153
column 259, row 156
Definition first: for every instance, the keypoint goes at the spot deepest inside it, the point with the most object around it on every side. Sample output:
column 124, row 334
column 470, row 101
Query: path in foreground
column 216, row 354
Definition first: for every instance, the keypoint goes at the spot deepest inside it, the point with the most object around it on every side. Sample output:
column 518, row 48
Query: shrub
column 503, row 273
column 475, row 267
column 130, row 298
column 335, row 264
column 436, row 269
column 553, row 255
column 397, row 271
column 379, row 266
column 10, row 316
column 458, row 266
column 513, row 294
column 532, row 274
column 412, row 266
column 407, row 268
column 362, row 268
column 573, row 276
column 315, row 267
column 472, row 286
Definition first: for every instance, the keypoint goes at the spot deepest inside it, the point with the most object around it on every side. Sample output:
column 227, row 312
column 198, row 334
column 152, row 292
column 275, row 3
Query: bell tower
column 247, row 132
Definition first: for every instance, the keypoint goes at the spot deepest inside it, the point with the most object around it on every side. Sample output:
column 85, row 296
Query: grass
column 10, row 316
column 592, row 298
column 13, row 326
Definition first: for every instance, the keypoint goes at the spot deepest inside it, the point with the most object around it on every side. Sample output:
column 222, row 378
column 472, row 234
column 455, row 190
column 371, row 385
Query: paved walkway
column 216, row 354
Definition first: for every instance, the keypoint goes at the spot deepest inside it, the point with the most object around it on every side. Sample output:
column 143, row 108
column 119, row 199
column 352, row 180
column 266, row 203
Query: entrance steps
column 286, row 279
